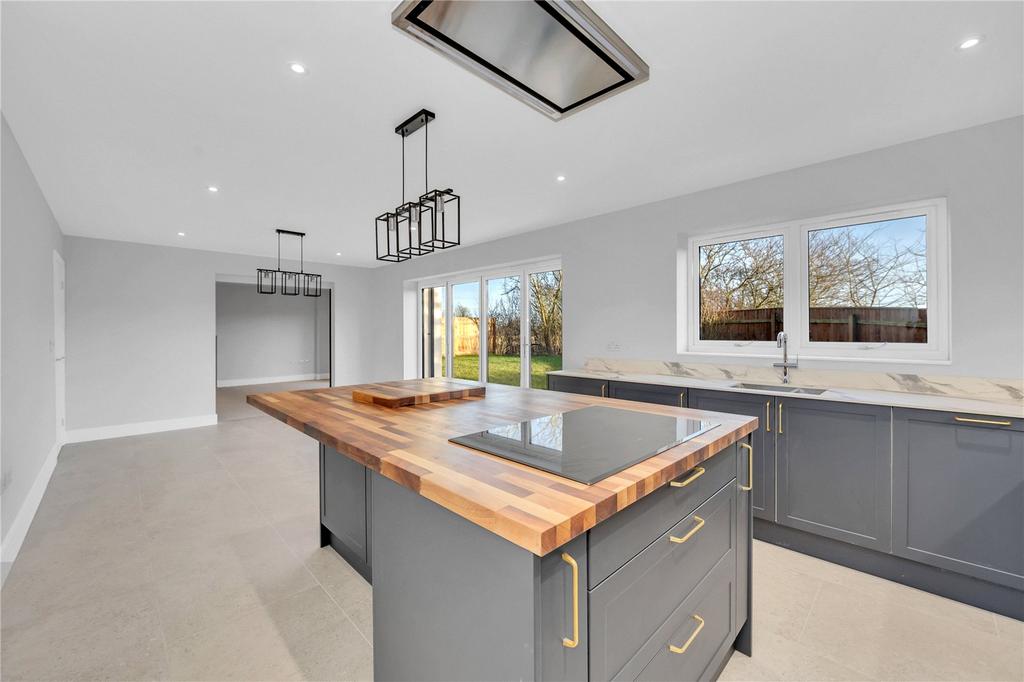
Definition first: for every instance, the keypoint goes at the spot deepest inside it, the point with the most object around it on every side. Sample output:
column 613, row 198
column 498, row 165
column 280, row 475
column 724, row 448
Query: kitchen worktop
column 533, row 509
column 942, row 403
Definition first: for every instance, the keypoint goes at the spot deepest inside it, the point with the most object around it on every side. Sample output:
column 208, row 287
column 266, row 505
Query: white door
column 59, row 341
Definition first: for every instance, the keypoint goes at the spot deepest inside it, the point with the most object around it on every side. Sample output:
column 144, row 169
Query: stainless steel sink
column 782, row 389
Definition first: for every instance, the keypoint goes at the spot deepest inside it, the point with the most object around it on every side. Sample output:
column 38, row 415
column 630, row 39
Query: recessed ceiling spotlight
column 970, row 42
column 298, row 68
column 213, row 188
column 338, row 254
column 181, row 234
column 560, row 178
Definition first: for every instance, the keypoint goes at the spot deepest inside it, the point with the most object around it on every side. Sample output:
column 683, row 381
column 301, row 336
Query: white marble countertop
column 845, row 395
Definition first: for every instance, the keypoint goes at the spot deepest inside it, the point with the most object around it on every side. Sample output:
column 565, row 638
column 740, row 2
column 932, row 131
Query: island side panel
column 746, row 468
column 451, row 601
column 345, row 516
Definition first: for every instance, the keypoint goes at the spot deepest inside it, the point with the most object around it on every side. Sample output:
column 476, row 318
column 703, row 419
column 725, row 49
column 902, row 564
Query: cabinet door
column 834, row 470
column 762, row 440
column 564, row 613
column 647, row 393
column 343, row 501
column 582, row 385
column 958, row 493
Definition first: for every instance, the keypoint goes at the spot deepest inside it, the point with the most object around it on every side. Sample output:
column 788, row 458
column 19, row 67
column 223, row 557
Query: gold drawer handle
column 697, row 473
column 686, row 645
column 604, row 390
column 574, row 642
column 768, row 416
column 778, row 422
column 992, row 422
column 693, row 531
column 750, row 467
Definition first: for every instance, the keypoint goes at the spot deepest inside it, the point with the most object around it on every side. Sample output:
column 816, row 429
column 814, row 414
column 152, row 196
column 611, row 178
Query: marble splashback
column 975, row 388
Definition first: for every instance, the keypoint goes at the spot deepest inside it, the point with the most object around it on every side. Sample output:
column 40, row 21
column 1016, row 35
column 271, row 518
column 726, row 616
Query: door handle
column 604, row 390
column 686, row 645
column 575, row 641
column 750, row 467
column 990, row 422
column 768, row 416
column 778, row 422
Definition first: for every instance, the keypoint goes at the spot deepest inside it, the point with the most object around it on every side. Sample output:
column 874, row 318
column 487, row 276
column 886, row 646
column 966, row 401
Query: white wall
column 30, row 235
column 269, row 336
column 620, row 269
column 141, row 326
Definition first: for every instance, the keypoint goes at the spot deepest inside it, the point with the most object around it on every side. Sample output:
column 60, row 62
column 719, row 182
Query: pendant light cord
column 426, row 155
column 279, row 252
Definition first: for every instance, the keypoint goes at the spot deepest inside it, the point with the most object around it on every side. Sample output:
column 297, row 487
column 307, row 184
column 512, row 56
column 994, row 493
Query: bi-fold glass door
column 480, row 324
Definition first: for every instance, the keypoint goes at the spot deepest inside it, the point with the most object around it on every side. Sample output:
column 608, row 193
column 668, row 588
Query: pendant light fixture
column 416, row 228
column 291, row 282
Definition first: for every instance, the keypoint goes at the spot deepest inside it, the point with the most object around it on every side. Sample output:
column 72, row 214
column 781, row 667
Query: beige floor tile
column 118, row 639
column 884, row 639
column 779, row 658
column 346, row 586
column 301, row 533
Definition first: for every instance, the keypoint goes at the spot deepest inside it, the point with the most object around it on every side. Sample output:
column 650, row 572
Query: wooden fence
column 850, row 324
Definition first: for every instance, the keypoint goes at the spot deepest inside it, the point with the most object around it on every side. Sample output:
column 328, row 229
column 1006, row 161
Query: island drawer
column 618, row 539
column 700, row 632
column 634, row 603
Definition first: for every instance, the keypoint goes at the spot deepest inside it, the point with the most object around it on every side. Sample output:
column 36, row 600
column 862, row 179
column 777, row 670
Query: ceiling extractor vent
column 557, row 56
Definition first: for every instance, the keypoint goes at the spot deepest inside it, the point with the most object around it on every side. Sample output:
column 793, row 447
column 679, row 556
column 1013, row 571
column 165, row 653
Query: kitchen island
column 484, row 568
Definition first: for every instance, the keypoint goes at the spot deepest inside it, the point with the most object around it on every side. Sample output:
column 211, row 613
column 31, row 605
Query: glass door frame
column 481, row 277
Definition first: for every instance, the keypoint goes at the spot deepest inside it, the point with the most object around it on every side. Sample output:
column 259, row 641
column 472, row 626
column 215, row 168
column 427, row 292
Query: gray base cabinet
column 344, row 504
column 958, row 488
column 580, row 385
column 647, row 393
column 834, row 470
column 762, row 439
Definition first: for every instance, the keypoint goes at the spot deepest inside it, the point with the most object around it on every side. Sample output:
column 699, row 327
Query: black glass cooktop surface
column 586, row 445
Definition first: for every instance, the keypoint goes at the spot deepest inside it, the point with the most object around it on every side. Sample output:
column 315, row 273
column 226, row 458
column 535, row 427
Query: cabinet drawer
column 581, row 385
column 623, row 536
column 713, row 604
column 631, row 606
column 647, row 393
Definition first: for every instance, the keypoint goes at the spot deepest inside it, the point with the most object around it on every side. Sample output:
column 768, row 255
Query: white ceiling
column 127, row 111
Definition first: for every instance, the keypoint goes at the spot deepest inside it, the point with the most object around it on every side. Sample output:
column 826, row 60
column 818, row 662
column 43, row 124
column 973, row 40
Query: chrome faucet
column 781, row 342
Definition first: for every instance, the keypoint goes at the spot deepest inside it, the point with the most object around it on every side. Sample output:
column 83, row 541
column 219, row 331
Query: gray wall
column 141, row 326
column 620, row 268
column 30, row 235
column 269, row 335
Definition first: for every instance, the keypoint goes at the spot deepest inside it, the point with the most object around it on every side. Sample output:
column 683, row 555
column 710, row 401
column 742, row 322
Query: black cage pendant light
column 292, row 283
column 416, row 228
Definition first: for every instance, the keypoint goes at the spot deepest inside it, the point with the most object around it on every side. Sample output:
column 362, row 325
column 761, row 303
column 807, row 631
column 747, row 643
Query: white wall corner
column 19, row 529
column 139, row 428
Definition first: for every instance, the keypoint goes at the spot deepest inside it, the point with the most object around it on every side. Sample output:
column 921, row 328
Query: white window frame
column 796, row 292
column 522, row 270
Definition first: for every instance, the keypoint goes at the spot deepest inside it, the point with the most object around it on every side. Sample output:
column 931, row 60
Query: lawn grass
column 504, row 369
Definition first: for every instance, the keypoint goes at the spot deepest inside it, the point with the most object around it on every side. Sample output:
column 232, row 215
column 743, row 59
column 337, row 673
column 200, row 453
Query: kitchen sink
column 782, row 389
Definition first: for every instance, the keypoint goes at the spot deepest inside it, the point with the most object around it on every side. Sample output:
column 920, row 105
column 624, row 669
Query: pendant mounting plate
column 414, row 122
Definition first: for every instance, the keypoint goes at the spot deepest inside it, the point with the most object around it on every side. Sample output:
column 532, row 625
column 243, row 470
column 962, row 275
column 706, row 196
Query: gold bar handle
column 574, row 642
column 768, row 416
column 681, row 397
column 690, row 534
column 750, row 467
column 990, row 422
column 697, row 473
column 686, row 645
column 604, row 390
column 778, row 422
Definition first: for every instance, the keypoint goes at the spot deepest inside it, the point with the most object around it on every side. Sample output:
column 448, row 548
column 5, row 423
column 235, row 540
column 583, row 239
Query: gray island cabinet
column 486, row 569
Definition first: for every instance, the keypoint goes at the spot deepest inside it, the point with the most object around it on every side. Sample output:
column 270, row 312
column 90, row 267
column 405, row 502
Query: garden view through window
column 508, row 310
column 865, row 283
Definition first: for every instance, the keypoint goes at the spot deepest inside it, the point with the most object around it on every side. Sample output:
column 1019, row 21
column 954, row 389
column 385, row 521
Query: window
column 491, row 345
column 870, row 285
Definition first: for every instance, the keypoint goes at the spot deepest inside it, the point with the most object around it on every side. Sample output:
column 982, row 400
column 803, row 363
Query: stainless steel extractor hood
column 555, row 55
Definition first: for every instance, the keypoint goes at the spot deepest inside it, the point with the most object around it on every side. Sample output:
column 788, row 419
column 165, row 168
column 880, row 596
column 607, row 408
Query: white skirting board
column 252, row 381
column 139, row 428
column 19, row 529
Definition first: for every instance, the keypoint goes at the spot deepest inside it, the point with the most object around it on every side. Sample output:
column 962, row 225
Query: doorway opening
column 269, row 343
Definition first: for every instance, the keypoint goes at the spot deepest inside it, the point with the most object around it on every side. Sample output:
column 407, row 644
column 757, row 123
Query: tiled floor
column 194, row 555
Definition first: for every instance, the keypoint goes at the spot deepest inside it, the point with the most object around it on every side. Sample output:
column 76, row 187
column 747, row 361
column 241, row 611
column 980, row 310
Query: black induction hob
column 586, row 445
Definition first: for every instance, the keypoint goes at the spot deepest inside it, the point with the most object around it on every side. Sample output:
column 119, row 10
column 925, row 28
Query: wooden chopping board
column 405, row 393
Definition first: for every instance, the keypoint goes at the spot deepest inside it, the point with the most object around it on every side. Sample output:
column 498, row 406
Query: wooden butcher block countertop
column 534, row 509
